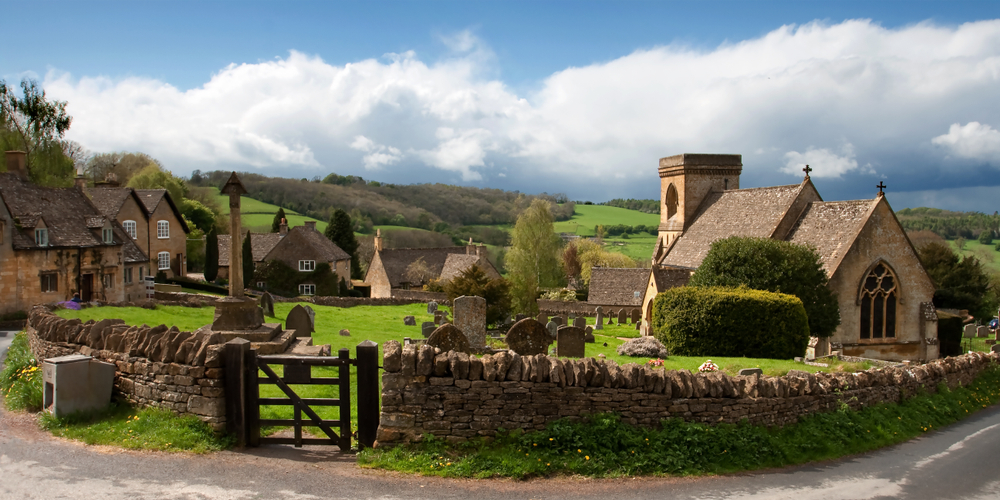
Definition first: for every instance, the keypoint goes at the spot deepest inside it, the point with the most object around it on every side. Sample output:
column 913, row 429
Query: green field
column 986, row 254
column 257, row 216
column 589, row 216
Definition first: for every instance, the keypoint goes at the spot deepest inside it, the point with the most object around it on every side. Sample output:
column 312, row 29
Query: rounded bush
column 732, row 322
column 643, row 347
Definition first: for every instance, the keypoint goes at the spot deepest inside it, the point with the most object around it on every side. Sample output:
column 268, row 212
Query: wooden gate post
column 235, row 355
column 368, row 393
column 345, row 399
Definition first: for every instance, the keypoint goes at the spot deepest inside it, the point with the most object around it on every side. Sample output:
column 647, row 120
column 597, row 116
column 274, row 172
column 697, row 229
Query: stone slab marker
column 431, row 307
column 470, row 318
column 449, row 338
column 622, row 317
column 409, row 321
column 543, row 318
column 570, row 342
column 300, row 321
column 599, row 323
column 427, row 328
column 519, row 317
column 969, row 332
column 528, row 337
column 580, row 322
column 588, row 335
column 982, row 332
column 267, row 304
column 552, row 327
column 636, row 316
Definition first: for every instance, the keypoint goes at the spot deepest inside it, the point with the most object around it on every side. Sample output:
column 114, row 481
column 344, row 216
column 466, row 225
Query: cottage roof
column 396, row 260
column 831, row 227
column 617, row 286
column 456, row 263
column 131, row 253
column 739, row 212
column 109, row 200
column 263, row 244
column 260, row 245
column 151, row 198
column 72, row 220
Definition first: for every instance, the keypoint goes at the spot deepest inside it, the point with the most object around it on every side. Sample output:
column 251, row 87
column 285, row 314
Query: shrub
column 643, row 347
column 949, row 334
column 21, row 378
column 715, row 321
column 775, row 266
column 474, row 281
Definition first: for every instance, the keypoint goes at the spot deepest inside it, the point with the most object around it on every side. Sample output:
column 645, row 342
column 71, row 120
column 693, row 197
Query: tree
column 533, row 261
column 571, row 263
column 774, row 266
column 591, row 254
column 201, row 216
column 120, row 166
column 35, row 125
column 474, row 281
column 154, row 177
column 960, row 283
column 278, row 217
column 211, row 256
column 418, row 272
column 986, row 236
column 341, row 232
column 248, row 266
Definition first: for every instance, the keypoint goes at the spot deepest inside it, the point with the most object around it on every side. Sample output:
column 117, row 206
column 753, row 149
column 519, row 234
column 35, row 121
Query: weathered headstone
column 267, row 304
column 470, row 317
column 982, row 332
column 438, row 317
column 427, row 328
column 611, row 318
column 570, row 319
column 636, row 315
column 570, row 342
column 580, row 322
column 599, row 321
column 588, row 335
column 751, row 371
column 638, row 324
column 552, row 327
column 431, row 307
column 557, row 320
column 299, row 320
column 622, row 317
column 519, row 317
column 449, row 338
column 970, row 331
column 345, row 333
column 312, row 316
column 409, row 321
column 528, row 337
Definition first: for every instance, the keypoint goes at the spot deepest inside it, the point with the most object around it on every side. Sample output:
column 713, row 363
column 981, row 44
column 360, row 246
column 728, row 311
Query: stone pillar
column 234, row 188
column 470, row 317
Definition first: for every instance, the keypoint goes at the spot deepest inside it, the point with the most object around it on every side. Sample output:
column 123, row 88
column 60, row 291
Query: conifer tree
column 341, row 232
column 211, row 256
column 276, row 223
column 248, row 266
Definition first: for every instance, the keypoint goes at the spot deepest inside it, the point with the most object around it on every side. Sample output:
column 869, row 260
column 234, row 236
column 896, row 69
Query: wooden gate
column 243, row 381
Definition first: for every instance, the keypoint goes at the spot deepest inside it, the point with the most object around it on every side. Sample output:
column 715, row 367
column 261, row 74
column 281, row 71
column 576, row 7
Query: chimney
column 469, row 248
column 17, row 163
column 378, row 240
column 311, row 224
column 283, row 228
column 80, row 182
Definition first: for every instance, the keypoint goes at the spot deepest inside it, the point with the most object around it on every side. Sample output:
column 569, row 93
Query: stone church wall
column 167, row 368
column 457, row 396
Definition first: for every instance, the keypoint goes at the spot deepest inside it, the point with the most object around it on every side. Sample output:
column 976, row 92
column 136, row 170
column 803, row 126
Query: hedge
column 731, row 322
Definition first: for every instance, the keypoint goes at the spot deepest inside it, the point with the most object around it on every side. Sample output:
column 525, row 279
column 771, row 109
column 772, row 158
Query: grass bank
column 603, row 446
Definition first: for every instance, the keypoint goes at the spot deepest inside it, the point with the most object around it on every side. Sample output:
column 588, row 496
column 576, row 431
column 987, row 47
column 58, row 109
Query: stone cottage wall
column 159, row 366
column 457, row 396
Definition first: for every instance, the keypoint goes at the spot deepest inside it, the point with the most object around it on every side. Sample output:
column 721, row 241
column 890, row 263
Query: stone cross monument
column 236, row 312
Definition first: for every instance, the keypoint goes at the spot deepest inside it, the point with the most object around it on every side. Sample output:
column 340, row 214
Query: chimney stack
column 469, row 248
column 80, row 182
column 311, row 224
column 378, row 240
column 17, row 163
column 283, row 228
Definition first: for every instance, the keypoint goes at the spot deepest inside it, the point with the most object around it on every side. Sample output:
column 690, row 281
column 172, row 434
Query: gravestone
column 552, row 327
column 580, row 322
column 299, row 320
column 345, row 333
column 611, row 318
column 563, row 320
column 588, row 335
column 636, row 315
column 470, row 317
column 431, row 307
column 543, row 318
column 528, row 337
column 571, row 319
column 557, row 320
column 982, row 332
column 409, row 321
column 751, row 371
column 267, row 304
column 312, row 316
column 427, row 328
column 570, row 342
column 519, row 317
column 449, row 338
column 970, row 331
column 599, row 322
column 438, row 317
column 638, row 324
column 622, row 317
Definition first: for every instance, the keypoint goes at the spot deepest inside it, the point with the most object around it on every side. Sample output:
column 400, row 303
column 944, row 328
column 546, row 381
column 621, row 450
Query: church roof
column 617, row 286
column 740, row 212
column 830, row 227
column 666, row 278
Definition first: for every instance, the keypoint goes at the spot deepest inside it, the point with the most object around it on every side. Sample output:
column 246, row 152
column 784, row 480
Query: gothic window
column 879, row 294
column 671, row 201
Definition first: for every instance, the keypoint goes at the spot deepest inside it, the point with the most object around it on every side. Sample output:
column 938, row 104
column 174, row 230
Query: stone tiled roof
column 109, row 200
column 151, row 198
column 131, row 253
column 617, row 286
column 455, row 264
column 830, row 227
column 396, row 260
column 666, row 278
column 72, row 220
column 262, row 244
column 740, row 212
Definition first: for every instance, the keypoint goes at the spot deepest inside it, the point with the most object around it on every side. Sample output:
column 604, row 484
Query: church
column 885, row 295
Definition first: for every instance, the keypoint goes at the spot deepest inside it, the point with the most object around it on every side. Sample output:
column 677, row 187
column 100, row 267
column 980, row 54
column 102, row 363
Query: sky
column 574, row 97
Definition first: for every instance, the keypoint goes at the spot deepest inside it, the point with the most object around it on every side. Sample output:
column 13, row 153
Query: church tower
column 685, row 181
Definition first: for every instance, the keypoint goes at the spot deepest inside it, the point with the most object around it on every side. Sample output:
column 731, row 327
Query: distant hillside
column 948, row 224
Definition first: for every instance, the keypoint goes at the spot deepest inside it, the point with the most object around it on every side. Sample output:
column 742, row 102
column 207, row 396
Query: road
column 953, row 463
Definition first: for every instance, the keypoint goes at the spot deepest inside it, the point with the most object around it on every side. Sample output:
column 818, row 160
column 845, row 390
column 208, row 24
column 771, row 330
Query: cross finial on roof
column 881, row 186
column 807, row 170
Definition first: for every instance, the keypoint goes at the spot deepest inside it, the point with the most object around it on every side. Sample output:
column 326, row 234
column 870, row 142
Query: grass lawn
column 257, row 216
column 986, row 254
column 587, row 216
column 638, row 247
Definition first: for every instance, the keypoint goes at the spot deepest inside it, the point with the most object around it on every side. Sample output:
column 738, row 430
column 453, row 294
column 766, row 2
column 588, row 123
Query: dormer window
column 129, row 226
column 108, row 236
column 42, row 237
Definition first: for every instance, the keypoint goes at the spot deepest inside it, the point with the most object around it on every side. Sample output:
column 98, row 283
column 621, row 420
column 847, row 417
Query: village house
column 617, row 288
column 55, row 243
column 883, row 290
column 301, row 247
column 388, row 270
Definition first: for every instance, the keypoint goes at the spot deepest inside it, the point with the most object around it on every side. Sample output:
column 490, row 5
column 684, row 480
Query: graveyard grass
column 603, row 446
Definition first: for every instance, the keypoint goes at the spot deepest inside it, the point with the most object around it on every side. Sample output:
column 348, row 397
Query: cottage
column 884, row 292
column 618, row 288
column 388, row 270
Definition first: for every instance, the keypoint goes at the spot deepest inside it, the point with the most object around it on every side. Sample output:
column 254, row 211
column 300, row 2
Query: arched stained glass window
column 879, row 294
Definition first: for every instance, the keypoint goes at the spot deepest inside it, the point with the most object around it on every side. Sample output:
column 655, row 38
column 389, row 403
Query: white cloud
column 974, row 140
column 823, row 162
column 880, row 91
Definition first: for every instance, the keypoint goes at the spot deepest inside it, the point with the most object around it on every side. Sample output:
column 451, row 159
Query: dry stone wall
column 157, row 366
column 457, row 396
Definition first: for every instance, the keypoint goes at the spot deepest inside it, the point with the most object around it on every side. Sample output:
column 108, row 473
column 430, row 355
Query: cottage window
column 307, row 265
column 260, row 285
column 108, row 280
column 50, row 282
column 142, row 273
column 127, row 275
column 108, row 236
column 163, row 260
column 879, row 293
column 162, row 229
column 42, row 237
column 307, row 289
column 130, row 226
